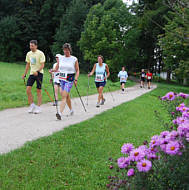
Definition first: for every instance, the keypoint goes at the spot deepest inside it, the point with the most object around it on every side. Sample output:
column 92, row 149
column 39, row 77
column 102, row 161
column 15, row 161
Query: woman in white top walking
column 102, row 73
column 123, row 78
column 69, row 72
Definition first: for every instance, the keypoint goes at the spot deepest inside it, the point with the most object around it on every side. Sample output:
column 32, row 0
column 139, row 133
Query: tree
column 105, row 31
column 175, row 42
column 10, row 49
column 71, row 26
column 151, row 15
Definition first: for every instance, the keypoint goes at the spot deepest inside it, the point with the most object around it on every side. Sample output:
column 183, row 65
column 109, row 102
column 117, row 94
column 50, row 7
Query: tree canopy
column 148, row 34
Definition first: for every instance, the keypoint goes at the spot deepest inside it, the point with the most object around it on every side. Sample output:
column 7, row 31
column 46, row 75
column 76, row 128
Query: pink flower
column 143, row 147
column 131, row 172
column 144, row 165
column 163, row 144
column 179, row 120
column 155, row 141
column 137, row 154
column 164, row 134
column 123, row 162
column 170, row 96
column 151, row 155
column 183, row 95
column 187, row 137
column 180, row 107
column 185, row 109
column 173, row 148
column 185, row 114
column 173, row 135
column 183, row 128
column 164, row 98
column 126, row 148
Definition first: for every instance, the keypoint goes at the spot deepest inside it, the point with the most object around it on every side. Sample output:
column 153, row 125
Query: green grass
column 76, row 158
column 13, row 93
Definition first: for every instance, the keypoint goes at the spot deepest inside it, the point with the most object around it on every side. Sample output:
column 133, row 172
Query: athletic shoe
column 31, row 108
column 140, row 86
column 37, row 110
column 71, row 112
column 102, row 103
column 148, row 87
column 98, row 104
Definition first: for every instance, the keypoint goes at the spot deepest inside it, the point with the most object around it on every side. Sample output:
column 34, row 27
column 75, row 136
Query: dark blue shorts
column 98, row 84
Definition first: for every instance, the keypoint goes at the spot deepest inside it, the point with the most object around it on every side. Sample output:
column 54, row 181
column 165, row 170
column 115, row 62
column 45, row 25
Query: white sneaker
column 31, row 108
column 71, row 112
column 37, row 110
column 98, row 104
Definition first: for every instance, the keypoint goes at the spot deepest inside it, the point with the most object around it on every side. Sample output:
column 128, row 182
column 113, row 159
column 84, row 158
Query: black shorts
column 142, row 79
column 122, row 83
column 98, row 84
column 38, row 79
column 149, row 80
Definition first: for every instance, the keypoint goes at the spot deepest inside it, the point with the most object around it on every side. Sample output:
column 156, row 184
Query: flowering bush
column 163, row 163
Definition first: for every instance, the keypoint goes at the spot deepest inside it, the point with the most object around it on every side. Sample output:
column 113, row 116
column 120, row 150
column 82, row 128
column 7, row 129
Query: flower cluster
column 141, row 159
column 171, row 96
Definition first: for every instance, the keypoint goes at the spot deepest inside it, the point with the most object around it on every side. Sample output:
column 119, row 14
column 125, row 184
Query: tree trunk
column 185, row 81
column 168, row 76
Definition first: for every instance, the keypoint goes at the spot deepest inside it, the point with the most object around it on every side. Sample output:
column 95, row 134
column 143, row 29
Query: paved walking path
column 17, row 126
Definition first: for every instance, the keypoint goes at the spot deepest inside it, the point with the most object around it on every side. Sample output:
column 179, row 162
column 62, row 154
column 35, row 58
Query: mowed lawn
column 77, row 157
column 13, row 90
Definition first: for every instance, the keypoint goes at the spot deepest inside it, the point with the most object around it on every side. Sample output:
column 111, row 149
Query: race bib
column 149, row 77
column 99, row 78
column 63, row 76
column 143, row 75
column 123, row 79
column 57, row 74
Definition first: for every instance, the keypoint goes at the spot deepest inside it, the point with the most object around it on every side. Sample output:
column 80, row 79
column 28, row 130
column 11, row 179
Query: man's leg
column 39, row 97
column 39, row 80
column 29, row 94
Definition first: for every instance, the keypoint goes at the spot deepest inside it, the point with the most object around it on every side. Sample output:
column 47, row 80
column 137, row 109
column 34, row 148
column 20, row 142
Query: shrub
column 161, row 163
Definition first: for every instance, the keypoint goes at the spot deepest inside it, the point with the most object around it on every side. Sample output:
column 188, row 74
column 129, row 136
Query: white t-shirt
column 56, row 75
column 66, row 66
column 123, row 76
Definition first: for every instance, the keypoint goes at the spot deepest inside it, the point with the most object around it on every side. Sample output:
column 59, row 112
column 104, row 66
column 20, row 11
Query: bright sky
column 129, row 2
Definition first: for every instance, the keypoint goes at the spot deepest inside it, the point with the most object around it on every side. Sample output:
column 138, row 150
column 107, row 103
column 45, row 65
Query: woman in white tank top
column 69, row 72
column 102, row 73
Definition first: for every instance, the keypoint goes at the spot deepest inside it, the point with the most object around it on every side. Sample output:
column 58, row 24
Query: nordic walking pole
column 111, row 93
column 25, row 86
column 88, row 91
column 80, row 97
column 45, row 90
column 57, row 114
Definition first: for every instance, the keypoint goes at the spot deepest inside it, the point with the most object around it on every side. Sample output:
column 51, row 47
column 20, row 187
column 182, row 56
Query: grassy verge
column 76, row 158
column 13, row 93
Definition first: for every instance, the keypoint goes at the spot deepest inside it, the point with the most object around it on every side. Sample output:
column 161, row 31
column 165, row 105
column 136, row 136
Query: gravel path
column 17, row 126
